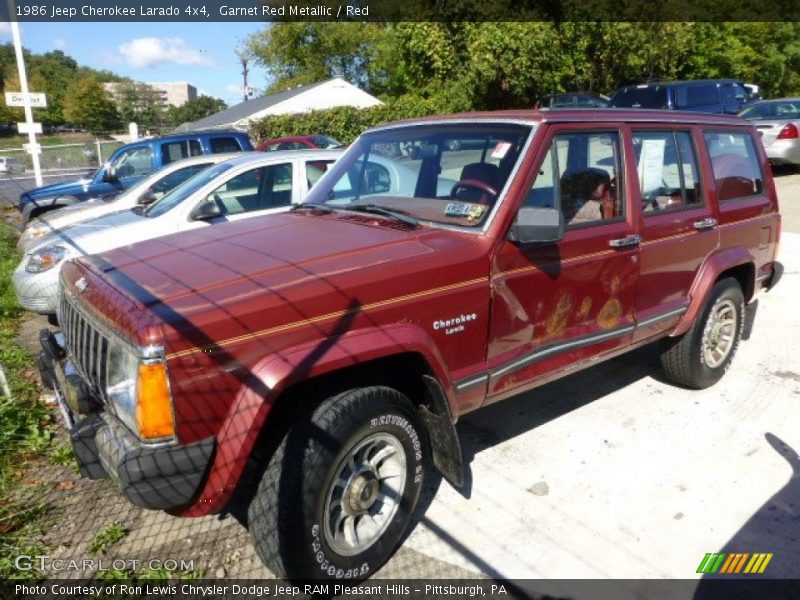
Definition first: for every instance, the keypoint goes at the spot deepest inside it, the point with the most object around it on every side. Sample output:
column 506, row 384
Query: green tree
column 302, row 53
column 86, row 104
column 194, row 110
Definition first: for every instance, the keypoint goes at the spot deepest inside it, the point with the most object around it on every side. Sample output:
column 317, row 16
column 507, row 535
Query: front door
column 556, row 305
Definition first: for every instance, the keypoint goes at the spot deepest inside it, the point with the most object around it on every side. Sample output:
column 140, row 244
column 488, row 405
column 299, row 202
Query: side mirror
column 147, row 197
column 206, row 211
column 110, row 174
column 537, row 224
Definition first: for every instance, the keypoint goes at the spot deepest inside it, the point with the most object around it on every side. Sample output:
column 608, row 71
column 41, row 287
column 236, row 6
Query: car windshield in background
column 764, row 111
column 646, row 96
column 323, row 141
column 446, row 173
column 186, row 189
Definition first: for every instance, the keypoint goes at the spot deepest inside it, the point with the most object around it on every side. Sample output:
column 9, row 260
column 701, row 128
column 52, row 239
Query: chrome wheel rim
column 365, row 494
column 719, row 333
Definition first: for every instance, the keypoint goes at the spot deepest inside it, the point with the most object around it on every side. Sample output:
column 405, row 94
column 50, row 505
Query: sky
column 201, row 54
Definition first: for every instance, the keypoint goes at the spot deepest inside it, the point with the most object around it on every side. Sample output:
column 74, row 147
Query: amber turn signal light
column 153, row 407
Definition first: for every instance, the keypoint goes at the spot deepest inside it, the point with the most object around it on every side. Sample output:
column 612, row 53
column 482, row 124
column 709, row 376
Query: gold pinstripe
column 332, row 315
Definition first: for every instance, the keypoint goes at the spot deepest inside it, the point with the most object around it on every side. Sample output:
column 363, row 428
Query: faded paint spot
column 791, row 375
column 678, row 516
column 557, row 321
column 614, row 285
column 539, row 489
column 610, row 314
column 583, row 310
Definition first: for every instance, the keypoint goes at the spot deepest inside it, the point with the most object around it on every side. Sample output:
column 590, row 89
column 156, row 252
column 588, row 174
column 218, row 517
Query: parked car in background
column 722, row 96
column 778, row 123
column 312, row 364
column 128, row 165
column 299, row 142
column 573, row 100
column 247, row 185
column 147, row 191
column 10, row 165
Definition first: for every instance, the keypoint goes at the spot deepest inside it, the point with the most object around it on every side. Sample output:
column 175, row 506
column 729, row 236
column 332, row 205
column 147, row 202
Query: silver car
column 778, row 122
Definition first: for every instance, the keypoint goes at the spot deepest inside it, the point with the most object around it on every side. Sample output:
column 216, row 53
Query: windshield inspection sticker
column 472, row 212
column 501, row 149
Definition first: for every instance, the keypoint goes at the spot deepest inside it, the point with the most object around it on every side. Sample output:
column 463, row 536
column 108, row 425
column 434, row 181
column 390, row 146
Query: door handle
column 625, row 242
column 709, row 223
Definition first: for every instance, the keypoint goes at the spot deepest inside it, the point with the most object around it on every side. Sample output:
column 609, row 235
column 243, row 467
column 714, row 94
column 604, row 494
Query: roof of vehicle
column 533, row 117
column 682, row 82
column 191, row 135
column 290, row 138
column 768, row 100
column 246, row 158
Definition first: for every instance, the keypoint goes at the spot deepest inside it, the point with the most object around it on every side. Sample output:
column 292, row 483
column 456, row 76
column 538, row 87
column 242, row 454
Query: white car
column 148, row 190
column 246, row 186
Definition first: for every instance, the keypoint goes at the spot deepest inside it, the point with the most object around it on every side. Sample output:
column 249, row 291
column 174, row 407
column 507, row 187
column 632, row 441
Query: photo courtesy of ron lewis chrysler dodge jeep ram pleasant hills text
column 310, row 365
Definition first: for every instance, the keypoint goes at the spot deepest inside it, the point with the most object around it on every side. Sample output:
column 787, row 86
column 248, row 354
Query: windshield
column 787, row 109
column 323, row 141
column 445, row 173
column 646, row 96
column 186, row 189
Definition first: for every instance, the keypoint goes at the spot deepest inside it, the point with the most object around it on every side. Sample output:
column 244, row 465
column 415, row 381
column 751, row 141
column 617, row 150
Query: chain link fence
column 61, row 162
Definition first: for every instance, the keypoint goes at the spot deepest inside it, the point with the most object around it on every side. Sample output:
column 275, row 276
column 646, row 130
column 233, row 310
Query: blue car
column 128, row 165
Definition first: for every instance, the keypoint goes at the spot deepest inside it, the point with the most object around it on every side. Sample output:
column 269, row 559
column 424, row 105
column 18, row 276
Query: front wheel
column 337, row 496
column 700, row 357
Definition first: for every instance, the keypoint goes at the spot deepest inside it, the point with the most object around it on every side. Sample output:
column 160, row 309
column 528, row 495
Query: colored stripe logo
column 737, row 562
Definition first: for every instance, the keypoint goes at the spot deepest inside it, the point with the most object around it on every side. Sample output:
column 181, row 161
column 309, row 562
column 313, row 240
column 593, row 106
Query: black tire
column 286, row 515
column 684, row 358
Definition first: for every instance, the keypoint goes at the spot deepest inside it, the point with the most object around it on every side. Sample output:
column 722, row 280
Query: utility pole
column 23, row 82
column 244, row 59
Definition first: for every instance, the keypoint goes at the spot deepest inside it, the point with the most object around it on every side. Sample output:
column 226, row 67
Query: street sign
column 18, row 99
column 28, row 127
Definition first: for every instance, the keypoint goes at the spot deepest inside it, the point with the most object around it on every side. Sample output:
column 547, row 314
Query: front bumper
column 158, row 477
column 37, row 292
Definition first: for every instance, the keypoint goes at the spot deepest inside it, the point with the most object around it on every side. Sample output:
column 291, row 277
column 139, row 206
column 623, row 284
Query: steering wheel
column 473, row 184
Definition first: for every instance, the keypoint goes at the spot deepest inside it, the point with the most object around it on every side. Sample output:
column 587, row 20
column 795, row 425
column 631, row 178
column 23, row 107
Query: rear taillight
column 789, row 132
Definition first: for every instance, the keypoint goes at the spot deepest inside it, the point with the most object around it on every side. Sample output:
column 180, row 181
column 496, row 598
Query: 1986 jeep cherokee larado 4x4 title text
column 314, row 362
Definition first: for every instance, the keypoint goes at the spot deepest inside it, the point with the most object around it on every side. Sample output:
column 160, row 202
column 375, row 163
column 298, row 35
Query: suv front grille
column 87, row 345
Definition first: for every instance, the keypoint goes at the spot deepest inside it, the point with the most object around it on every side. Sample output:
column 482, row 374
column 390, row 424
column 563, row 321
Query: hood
column 239, row 277
column 95, row 235
column 64, row 188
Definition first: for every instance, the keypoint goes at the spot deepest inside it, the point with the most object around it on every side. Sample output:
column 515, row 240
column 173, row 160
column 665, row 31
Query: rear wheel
column 700, row 357
column 337, row 496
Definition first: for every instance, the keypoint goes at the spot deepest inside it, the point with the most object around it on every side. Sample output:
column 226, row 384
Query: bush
column 344, row 123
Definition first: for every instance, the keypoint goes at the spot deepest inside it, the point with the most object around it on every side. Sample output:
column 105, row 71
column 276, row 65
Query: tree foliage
column 196, row 109
column 87, row 104
column 492, row 65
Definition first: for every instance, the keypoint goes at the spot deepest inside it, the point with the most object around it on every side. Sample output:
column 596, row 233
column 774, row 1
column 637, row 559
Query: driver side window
column 580, row 175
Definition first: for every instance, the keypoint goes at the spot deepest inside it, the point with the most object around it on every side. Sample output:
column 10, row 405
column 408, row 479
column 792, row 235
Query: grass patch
column 108, row 535
column 25, row 425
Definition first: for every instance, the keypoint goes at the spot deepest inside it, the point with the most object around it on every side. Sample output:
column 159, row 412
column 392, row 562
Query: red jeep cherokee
column 325, row 354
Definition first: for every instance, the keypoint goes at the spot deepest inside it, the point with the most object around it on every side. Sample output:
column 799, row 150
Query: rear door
column 677, row 222
column 556, row 305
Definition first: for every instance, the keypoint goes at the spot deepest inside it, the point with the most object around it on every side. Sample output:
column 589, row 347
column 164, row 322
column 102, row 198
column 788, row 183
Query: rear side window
column 195, row 149
column 174, row 151
column 646, row 96
column 696, row 95
column 667, row 169
column 737, row 171
column 224, row 144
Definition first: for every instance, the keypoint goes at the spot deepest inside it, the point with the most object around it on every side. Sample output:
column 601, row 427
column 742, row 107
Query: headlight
column 46, row 258
column 138, row 390
column 36, row 230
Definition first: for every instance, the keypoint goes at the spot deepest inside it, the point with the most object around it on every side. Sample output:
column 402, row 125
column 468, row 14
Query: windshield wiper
column 380, row 210
column 311, row 206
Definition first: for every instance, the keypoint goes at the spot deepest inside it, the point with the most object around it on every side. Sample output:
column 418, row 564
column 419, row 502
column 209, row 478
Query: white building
column 316, row 96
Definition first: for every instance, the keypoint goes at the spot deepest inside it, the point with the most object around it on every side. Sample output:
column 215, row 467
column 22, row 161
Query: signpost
column 29, row 127
column 26, row 96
